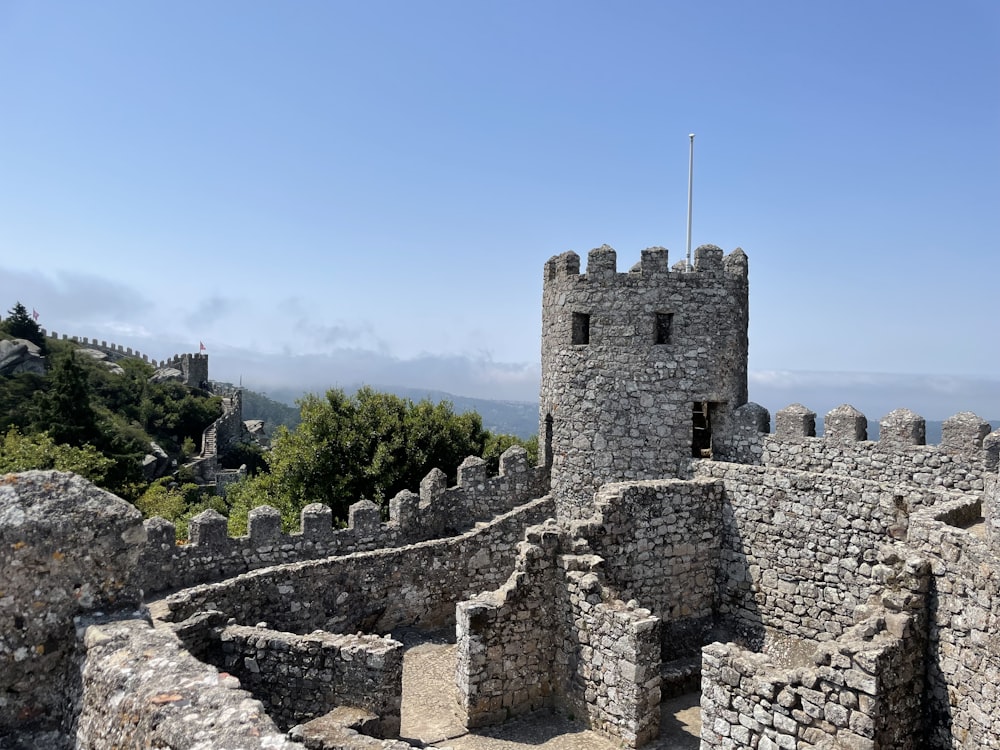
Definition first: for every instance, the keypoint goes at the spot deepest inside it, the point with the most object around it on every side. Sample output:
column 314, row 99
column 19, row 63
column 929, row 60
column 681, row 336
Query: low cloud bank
column 477, row 377
column 934, row 397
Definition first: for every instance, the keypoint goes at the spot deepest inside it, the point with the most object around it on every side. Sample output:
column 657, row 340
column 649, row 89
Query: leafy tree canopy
column 39, row 451
column 369, row 445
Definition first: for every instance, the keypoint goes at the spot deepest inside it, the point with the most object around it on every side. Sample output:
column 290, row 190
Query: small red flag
column 201, row 347
column 34, row 314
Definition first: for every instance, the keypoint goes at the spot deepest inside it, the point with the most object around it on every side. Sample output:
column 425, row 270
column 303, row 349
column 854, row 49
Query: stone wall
column 114, row 351
column 963, row 667
column 67, row 549
column 507, row 638
column 302, row 677
column 229, row 428
column 193, row 368
column 991, row 511
column 861, row 691
column 612, row 651
column 370, row 592
column 142, row 689
column 553, row 635
column 967, row 453
column 798, row 548
column 660, row 542
column 210, row 554
column 625, row 359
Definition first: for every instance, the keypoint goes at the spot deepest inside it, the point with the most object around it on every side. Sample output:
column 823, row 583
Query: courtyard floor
column 430, row 714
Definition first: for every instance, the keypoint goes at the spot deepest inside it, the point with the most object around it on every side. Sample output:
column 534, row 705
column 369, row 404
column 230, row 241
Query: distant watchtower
column 195, row 369
column 640, row 370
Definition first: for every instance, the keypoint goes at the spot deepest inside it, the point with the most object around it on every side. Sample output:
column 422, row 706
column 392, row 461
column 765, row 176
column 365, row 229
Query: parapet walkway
column 429, row 711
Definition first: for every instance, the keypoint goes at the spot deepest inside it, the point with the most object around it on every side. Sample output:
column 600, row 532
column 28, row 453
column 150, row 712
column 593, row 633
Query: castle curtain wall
column 373, row 591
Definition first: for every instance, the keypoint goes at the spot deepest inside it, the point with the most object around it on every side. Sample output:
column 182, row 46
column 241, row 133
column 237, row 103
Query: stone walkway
column 430, row 714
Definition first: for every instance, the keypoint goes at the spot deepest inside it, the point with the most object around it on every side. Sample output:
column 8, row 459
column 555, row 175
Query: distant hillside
column 508, row 417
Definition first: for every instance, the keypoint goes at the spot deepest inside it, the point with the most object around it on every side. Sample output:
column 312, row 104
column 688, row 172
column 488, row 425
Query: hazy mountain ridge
column 502, row 416
column 499, row 416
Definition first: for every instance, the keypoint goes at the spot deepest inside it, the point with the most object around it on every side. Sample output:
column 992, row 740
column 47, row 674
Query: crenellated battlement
column 602, row 265
column 209, row 553
column 968, row 450
column 113, row 350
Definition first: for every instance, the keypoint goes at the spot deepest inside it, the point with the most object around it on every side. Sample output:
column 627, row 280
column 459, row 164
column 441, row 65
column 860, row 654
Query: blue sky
column 331, row 192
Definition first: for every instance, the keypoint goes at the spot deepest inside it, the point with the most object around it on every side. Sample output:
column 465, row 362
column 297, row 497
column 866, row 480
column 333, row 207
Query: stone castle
column 821, row 592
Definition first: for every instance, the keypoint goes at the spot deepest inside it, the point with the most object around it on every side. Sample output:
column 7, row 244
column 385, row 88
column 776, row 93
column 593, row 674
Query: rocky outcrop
column 163, row 374
column 102, row 359
column 156, row 463
column 20, row 355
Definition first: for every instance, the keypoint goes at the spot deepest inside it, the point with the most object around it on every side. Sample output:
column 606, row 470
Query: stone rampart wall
column 963, row 669
column 991, row 511
column 967, row 452
column 612, row 650
column 861, row 691
column 660, row 542
column 210, row 554
column 302, row 677
column 141, row 688
column 507, row 638
column 798, row 548
column 370, row 592
column 115, row 351
column 229, row 428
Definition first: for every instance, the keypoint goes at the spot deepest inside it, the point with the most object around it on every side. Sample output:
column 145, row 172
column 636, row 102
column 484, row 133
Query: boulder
column 163, row 374
column 156, row 463
column 20, row 355
column 103, row 359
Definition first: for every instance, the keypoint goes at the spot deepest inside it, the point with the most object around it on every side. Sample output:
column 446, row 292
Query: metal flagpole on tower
column 690, row 188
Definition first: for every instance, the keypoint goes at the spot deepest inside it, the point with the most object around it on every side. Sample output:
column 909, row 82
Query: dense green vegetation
column 369, row 445
column 81, row 416
column 337, row 449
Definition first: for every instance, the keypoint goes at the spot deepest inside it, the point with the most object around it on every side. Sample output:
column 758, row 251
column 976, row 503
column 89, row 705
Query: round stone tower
column 641, row 371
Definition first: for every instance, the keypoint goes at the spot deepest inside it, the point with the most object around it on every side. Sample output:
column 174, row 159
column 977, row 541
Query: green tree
column 20, row 324
column 173, row 412
column 26, row 452
column 177, row 503
column 370, row 445
column 497, row 444
column 67, row 410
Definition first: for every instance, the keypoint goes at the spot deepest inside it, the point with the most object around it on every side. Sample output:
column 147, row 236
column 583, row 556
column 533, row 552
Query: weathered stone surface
column 142, row 689
column 626, row 357
column 67, row 548
column 211, row 554
column 20, row 355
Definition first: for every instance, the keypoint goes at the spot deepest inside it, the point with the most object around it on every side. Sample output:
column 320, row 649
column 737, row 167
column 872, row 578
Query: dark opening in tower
column 663, row 328
column 548, row 440
column 701, row 428
column 581, row 328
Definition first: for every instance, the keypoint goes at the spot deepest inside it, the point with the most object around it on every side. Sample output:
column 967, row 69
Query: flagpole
column 690, row 189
